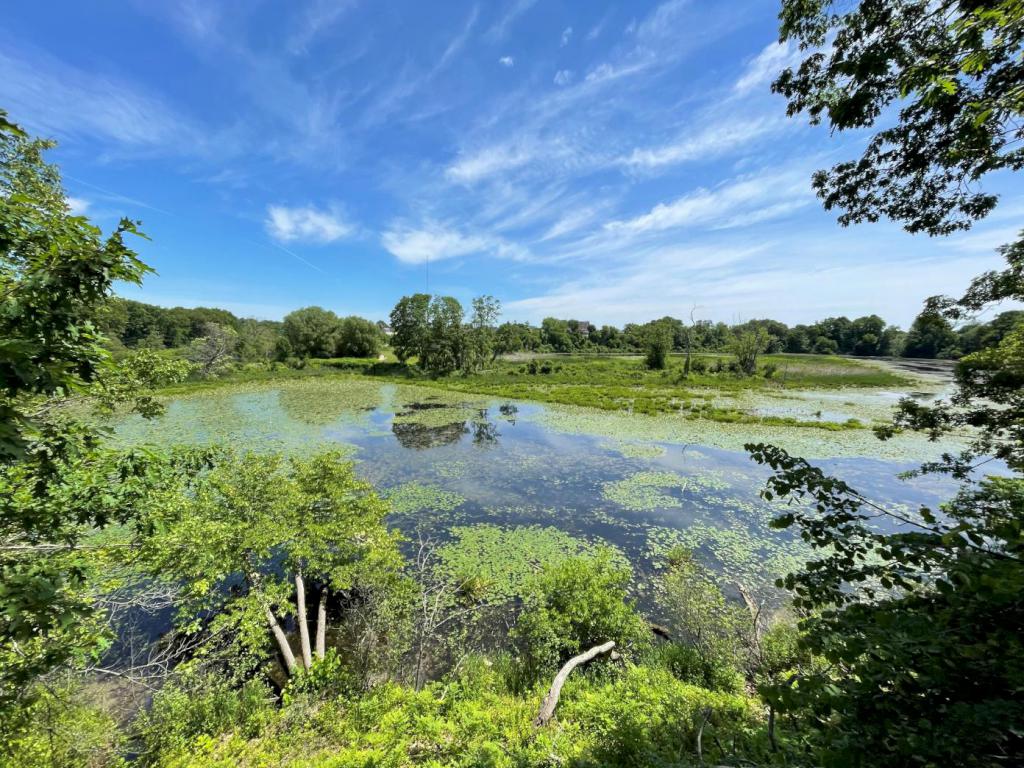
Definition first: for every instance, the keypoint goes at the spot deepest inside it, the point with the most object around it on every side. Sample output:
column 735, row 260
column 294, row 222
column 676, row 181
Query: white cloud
column 507, row 61
column 563, row 77
column 433, row 242
column 767, row 65
column 566, row 36
column 306, row 224
column 709, row 142
column 502, row 26
column 54, row 99
column 757, row 198
column 470, row 168
column 78, row 206
column 317, row 18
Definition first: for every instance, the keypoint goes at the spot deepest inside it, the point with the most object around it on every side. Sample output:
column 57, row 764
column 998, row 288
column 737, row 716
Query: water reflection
column 421, row 436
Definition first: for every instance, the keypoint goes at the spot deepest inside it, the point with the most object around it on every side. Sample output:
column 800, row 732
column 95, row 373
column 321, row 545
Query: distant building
column 385, row 328
column 580, row 328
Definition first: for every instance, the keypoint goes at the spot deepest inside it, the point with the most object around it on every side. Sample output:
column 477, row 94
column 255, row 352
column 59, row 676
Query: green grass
column 624, row 384
column 610, row 383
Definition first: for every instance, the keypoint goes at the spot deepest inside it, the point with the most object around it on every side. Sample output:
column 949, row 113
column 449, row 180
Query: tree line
column 435, row 331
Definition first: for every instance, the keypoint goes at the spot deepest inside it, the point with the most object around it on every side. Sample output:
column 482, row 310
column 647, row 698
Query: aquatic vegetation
column 752, row 557
column 810, row 443
column 503, row 559
column 633, row 450
column 410, row 498
column 642, row 491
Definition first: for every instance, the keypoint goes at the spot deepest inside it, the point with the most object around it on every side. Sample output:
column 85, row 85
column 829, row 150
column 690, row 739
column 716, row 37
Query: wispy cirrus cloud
column 434, row 241
column 55, row 99
column 306, row 224
column 759, row 197
column 766, row 66
column 503, row 25
column 709, row 142
column 317, row 18
column 78, row 206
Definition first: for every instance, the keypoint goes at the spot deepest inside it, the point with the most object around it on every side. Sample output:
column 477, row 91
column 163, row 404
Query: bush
column 358, row 337
column 572, row 606
column 203, row 705
column 688, row 665
column 60, row 726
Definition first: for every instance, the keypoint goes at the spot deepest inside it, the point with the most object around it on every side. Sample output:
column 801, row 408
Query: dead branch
column 547, row 707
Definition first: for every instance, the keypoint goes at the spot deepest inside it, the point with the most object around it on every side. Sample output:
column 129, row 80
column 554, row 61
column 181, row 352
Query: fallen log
column 547, row 707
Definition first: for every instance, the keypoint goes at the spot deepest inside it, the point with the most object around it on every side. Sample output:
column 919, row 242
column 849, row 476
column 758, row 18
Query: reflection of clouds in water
column 509, row 467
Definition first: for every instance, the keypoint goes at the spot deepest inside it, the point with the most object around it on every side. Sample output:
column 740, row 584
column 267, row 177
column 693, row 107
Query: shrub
column 203, row 705
column 572, row 606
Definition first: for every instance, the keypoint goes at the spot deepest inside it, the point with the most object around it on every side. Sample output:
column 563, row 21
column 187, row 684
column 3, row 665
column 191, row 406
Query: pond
column 642, row 484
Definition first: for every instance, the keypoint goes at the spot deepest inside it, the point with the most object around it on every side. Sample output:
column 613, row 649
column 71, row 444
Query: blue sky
column 612, row 162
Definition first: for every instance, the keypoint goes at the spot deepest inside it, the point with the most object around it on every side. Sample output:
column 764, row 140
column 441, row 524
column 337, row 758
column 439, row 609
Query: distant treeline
column 928, row 337
column 320, row 333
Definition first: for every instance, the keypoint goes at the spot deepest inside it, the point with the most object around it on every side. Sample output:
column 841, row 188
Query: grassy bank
column 615, row 383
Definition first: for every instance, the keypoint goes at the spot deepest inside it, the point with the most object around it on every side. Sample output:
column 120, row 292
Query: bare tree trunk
column 321, row 625
column 705, row 715
column 300, row 602
column 547, row 707
column 282, row 640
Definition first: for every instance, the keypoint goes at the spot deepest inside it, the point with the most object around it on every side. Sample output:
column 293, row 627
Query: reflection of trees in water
column 420, row 436
column 485, row 432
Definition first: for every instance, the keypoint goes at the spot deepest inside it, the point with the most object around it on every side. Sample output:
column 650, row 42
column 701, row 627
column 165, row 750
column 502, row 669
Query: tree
column 952, row 67
column 56, row 483
column 280, row 526
column 257, row 340
column 312, row 332
column 658, row 339
column 215, row 350
column 747, row 347
column 481, row 332
column 555, row 333
column 444, row 348
column 702, row 619
column 931, row 336
column 409, row 325
column 358, row 337
column 919, row 628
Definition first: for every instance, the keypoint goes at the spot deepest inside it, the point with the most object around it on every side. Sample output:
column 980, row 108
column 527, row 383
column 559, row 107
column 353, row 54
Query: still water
column 447, row 461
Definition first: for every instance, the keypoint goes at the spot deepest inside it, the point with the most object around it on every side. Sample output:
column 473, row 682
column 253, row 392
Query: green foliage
column 931, row 336
column 700, row 617
column 262, row 519
column 56, row 271
column 954, row 75
column 409, row 325
column 197, row 704
column 312, row 332
column 215, row 350
column 328, row 678
column 748, row 347
column 933, row 621
column 658, row 340
column 61, row 725
column 358, row 337
column 640, row 717
column 56, row 274
column 444, row 345
column 572, row 606
column 481, row 332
